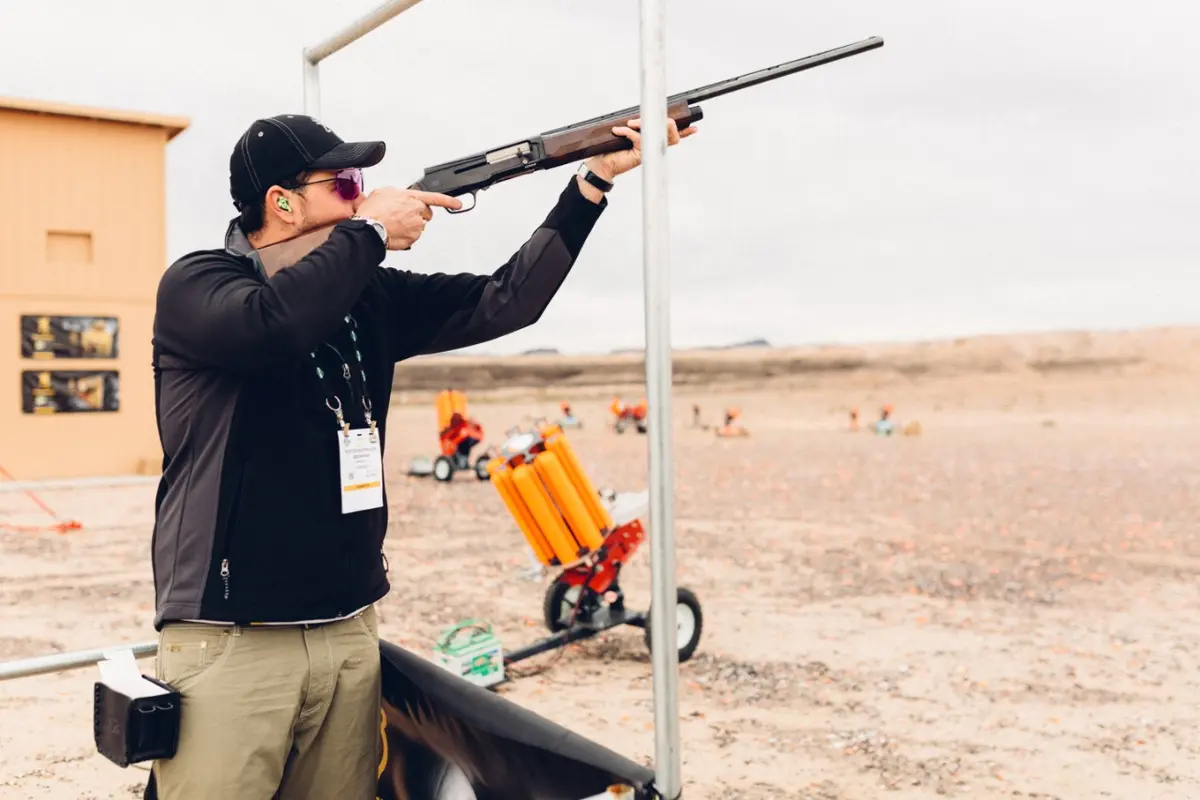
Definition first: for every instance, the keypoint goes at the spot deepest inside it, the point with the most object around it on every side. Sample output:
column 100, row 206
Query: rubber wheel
column 621, row 425
column 689, row 620
column 481, row 471
column 559, row 604
column 443, row 469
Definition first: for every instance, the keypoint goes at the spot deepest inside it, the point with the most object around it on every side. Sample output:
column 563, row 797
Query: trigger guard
column 465, row 208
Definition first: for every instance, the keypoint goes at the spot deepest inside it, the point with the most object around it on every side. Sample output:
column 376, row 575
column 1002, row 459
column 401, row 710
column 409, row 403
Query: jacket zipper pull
column 225, row 575
column 385, row 561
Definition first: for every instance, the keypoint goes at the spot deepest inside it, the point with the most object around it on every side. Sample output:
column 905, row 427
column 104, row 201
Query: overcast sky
column 996, row 166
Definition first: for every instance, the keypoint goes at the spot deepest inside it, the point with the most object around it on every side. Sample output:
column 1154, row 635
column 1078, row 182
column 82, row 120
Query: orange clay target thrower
column 568, row 525
column 458, row 435
column 625, row 416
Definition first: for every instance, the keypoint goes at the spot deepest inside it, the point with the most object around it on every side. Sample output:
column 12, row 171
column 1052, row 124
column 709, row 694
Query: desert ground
column 1005, row 606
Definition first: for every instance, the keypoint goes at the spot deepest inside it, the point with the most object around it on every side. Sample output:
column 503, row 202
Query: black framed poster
column 57, row 336
column 69, row 391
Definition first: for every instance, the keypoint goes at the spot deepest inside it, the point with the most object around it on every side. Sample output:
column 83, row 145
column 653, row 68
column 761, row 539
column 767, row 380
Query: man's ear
column 281, row 204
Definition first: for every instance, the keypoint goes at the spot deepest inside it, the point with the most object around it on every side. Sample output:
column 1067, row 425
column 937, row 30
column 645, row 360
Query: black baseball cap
column 276, row 149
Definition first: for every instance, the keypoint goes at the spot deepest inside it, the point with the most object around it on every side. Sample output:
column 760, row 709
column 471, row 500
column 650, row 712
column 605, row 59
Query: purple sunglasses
column 348, row 183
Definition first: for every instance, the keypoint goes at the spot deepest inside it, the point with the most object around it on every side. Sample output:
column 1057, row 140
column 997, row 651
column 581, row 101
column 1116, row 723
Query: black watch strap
column 594, row 179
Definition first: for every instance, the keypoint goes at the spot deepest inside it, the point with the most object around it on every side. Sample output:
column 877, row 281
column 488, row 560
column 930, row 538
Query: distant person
column 730, row 426
column 463, row 431
column 885, row 426
column 271, row 400
column 568, row 419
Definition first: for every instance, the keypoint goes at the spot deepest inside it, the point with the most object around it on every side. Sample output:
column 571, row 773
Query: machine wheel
column 481, row 471
column 621, row 425
column 443, row 469
column 559, row 604
column 689, row 621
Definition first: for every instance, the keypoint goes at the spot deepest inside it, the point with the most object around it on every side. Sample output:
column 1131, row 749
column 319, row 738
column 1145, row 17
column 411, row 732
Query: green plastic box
column 471, row 651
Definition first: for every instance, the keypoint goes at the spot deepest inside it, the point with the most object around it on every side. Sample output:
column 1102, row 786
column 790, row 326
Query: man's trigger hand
column 404, row 212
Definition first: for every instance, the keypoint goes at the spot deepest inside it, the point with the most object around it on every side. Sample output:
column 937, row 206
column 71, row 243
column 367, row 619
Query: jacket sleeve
column 213, row 312
column 440, row 312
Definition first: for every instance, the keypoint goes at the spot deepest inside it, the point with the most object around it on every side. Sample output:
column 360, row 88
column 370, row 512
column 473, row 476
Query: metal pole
column 655, row 255
column 60, row 662
column 312, row 88
column 356, row 30
column 313, row 56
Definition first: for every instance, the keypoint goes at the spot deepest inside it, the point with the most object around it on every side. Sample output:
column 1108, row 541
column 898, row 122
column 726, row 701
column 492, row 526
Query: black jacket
column 251, row 478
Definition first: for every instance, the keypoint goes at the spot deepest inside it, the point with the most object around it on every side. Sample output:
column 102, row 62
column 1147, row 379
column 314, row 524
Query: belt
column 302, row 624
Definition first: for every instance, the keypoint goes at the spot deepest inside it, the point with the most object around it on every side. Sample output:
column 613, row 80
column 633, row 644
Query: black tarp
column 445, row 735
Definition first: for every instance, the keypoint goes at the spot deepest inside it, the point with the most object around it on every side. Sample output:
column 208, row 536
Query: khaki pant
column 273, row 713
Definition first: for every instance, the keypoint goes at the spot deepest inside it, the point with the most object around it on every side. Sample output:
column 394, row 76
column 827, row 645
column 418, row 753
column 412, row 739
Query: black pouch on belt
column 133, row 725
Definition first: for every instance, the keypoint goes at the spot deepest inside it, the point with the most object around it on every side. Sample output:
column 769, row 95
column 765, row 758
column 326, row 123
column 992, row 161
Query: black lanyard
column 347, row 375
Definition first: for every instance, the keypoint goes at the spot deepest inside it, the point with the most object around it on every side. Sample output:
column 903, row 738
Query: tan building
column 82, row 246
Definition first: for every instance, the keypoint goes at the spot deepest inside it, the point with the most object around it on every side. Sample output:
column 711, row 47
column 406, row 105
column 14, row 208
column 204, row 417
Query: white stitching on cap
column 288, row 132
column 249, row 162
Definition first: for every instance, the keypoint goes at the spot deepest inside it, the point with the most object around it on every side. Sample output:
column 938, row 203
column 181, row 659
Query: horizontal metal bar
column 560, row 639
column 356, row 30
column 60, row 662
column 578, row 632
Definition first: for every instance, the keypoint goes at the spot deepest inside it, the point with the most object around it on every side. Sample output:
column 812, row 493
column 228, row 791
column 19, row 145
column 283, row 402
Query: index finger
column 437, row 199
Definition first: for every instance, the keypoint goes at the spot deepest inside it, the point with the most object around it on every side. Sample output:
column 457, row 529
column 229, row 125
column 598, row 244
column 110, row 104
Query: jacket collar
column 236, row 243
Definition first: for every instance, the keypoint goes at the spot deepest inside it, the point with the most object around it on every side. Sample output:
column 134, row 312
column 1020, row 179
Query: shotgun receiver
column 466, row 176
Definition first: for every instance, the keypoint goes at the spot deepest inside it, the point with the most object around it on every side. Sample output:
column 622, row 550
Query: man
column 272, row 391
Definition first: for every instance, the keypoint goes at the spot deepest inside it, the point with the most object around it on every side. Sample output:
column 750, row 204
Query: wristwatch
column 593, row 178
column 377, row 225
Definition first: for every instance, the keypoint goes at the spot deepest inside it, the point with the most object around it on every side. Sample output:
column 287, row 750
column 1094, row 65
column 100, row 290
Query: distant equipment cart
column 458, row 435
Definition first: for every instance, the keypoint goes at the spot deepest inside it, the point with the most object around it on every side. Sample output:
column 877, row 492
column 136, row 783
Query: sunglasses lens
column 349, row 183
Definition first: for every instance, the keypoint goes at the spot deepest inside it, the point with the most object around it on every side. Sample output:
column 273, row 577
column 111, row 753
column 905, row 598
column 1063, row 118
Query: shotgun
column 477, row 172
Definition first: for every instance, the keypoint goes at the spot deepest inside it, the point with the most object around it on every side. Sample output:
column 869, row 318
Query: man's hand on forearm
column 610, row 165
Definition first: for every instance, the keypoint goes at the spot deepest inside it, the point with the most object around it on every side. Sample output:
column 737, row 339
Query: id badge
column 362, row 470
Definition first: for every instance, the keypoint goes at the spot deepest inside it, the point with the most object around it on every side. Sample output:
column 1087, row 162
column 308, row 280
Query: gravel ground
column 1002, row 607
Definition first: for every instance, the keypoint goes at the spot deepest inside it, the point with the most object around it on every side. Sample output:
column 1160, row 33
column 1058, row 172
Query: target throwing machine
column 568, row 526
column 458, row 435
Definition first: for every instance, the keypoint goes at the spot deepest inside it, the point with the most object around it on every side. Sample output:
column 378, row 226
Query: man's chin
column 329, row 222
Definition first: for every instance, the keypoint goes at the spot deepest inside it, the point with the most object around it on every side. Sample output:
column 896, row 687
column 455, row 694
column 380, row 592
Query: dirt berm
column 1123, row 352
